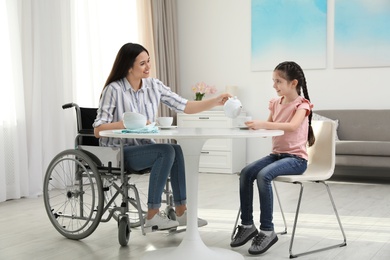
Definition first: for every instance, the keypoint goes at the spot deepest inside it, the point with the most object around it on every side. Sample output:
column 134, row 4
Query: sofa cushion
column 361, row 124
column 318, row 117
column 369, row 148
column 362, row 161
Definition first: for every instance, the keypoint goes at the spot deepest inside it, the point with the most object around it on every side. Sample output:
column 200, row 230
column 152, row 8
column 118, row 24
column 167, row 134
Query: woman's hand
column 221, row 99
column 108, row 126
column 193, row 107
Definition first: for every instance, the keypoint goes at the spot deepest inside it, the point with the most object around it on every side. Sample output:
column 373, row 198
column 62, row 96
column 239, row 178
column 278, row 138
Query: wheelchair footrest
column 155, row 228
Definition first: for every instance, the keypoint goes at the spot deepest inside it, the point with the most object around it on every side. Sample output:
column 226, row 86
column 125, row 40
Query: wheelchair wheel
column 123, row 231
column 170, row 212
column 73, row 194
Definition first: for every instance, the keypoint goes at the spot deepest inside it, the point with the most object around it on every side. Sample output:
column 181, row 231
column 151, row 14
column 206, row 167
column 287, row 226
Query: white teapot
column 232, row 107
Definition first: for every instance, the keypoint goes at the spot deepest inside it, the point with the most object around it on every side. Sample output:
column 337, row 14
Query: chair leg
column 281, row 211
column 344, row 243
column 235, row 224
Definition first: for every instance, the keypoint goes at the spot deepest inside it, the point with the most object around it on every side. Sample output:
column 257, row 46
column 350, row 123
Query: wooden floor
column 26, row 233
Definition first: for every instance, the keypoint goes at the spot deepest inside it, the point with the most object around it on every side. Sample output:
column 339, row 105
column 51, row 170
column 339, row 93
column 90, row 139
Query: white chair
column 321, row 167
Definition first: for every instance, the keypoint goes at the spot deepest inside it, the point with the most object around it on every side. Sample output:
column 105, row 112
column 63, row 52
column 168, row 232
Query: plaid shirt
column 119, row 97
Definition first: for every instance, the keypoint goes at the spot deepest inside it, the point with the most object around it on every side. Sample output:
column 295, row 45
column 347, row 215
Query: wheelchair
column 84, row 186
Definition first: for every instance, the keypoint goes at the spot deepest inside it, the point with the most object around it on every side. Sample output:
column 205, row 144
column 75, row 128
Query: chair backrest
column 85, row 120
column 322, row 156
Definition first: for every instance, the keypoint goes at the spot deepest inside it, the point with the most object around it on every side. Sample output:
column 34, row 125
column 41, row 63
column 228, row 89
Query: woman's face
column 141, row 66
column 281, row 85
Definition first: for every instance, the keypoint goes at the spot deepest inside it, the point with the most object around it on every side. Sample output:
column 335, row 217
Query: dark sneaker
column 262, row 243
column 243, row 235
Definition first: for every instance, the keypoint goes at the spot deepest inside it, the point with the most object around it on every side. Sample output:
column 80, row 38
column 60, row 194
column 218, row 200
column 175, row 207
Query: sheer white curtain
column 37, row 77
column 13, row 145
column 52, row 52
column 99, row 29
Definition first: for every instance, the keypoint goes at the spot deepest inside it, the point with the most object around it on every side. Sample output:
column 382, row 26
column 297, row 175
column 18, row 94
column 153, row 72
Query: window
column 99, row 28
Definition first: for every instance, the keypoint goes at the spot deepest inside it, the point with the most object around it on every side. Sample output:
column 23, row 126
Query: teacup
column 242, row 120
column 165, row 121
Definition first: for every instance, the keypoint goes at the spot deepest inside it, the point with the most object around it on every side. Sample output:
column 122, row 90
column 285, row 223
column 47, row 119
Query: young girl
column 289, row 112
column 129, row 88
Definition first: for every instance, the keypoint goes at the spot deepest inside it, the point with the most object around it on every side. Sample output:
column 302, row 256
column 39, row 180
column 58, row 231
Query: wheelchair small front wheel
column 123, row 231
column 170, row 212
column 73, row 194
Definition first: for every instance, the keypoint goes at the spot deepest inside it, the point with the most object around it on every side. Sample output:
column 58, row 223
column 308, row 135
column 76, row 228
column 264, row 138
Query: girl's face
column 282, row 86
column 141, row 66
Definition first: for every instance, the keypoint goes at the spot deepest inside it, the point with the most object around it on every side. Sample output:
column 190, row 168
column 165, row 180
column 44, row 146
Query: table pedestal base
column 192, row 251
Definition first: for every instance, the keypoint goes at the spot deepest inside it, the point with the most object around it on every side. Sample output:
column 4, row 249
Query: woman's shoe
column 183, row 220
column 159, row 222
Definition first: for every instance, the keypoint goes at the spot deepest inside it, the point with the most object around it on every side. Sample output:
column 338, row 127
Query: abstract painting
column 362, row 33
column 288, row 30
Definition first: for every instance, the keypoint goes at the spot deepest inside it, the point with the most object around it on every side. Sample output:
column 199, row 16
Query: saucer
column 167, row 127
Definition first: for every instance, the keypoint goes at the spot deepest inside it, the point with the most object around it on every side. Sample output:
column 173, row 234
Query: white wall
column 215, row 45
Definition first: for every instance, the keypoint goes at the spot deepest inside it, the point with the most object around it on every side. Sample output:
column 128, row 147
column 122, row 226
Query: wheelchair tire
column 73, row 194
column 123, row 231
column 170, row 212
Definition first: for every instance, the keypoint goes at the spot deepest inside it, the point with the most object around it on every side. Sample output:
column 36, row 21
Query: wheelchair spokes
column 72, row 194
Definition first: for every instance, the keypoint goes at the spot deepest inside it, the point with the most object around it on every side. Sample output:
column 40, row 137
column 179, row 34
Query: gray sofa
column 363, row 147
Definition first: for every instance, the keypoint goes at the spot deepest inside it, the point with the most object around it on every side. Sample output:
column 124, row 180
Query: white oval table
column 191, row 141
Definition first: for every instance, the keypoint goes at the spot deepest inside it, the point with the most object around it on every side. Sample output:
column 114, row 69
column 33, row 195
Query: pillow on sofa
column 318, row 117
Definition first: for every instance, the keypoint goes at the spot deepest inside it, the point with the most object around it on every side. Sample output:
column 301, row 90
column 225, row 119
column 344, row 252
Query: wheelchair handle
column 68, row 105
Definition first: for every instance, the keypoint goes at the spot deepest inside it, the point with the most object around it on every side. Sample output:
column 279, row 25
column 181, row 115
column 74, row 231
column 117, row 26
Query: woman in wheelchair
column 129, row 89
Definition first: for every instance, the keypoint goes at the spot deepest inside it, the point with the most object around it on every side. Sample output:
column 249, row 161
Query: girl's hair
column 290, row 71
column 124, row 61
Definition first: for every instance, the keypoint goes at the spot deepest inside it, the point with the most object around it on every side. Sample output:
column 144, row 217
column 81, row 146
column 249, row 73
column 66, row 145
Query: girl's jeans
column 164, row 160
column 264, row 171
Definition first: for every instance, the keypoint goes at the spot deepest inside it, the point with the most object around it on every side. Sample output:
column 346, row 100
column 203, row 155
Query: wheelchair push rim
column 73, row 194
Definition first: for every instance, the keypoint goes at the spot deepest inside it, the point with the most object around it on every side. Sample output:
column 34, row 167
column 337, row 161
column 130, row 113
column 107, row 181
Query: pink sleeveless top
column 291, row 142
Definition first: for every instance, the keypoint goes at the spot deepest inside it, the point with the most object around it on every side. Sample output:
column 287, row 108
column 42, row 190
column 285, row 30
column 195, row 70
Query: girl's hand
column 253, row 124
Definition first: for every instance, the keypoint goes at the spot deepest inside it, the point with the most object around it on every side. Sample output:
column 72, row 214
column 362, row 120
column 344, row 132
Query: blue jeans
column 264, row 171
column 164, row 160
